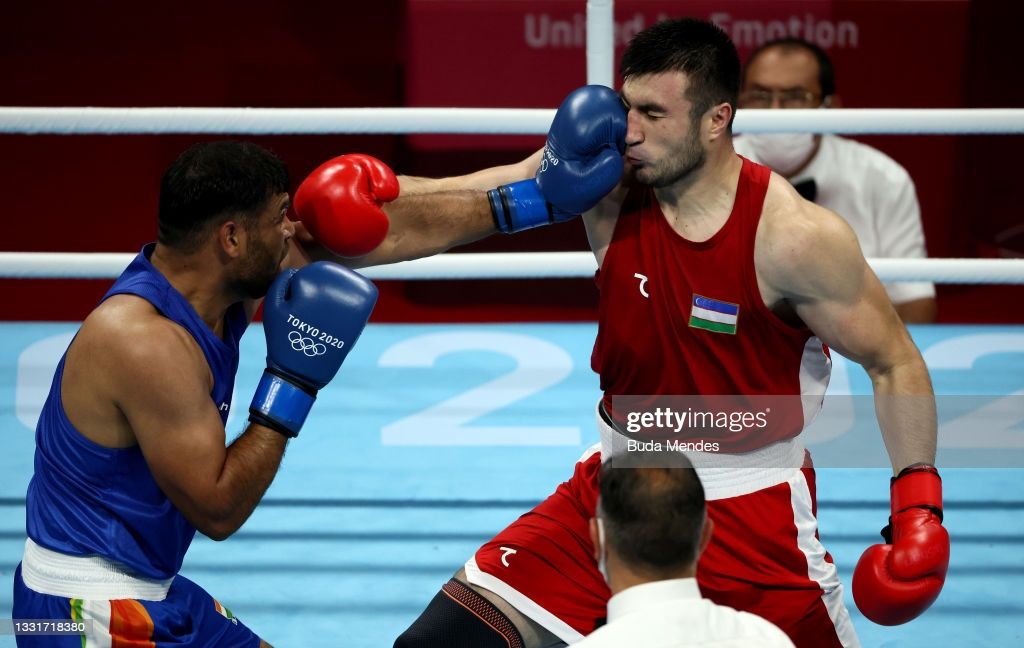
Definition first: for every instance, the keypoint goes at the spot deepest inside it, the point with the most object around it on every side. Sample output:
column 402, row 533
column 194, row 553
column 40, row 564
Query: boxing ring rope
column 600, row 69
column 507, row 265
column 487, row 121
column 600, row 50
column 479, row 121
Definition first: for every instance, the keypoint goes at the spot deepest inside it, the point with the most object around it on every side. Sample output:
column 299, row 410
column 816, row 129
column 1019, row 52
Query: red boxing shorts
column 764, row 557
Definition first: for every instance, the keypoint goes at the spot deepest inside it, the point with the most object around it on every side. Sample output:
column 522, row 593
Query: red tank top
column 678, row 317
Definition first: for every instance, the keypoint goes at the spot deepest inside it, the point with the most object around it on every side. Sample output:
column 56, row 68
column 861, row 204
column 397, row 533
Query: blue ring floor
column 434, row 437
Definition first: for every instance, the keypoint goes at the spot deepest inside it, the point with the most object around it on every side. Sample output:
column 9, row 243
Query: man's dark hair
column 652, row 505
column 699, row 49
column 826, row 74
column 211, row 182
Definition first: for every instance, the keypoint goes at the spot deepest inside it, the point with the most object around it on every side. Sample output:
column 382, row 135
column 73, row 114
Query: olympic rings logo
column 547, row 157
column 306, row 345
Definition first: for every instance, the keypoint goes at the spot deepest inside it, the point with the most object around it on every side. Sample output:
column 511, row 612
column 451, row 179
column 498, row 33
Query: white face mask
column 783, row 152
column 602, row 563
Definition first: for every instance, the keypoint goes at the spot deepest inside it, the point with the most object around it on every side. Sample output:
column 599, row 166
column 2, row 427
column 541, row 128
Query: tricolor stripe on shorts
column 122, row 623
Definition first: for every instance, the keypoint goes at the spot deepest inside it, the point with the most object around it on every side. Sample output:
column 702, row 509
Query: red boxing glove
column 896, row 582
column 340, row 203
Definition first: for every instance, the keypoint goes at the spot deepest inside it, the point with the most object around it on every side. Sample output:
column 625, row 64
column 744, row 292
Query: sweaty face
column 266, row 248
column 663, row 141
column 689, row 156
column 257, row 270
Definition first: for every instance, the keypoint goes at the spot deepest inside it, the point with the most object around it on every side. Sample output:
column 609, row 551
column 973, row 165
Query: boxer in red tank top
column 682, row 317
column 716, row 278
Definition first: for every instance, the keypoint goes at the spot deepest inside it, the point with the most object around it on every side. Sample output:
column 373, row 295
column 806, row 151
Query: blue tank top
column 88, row 499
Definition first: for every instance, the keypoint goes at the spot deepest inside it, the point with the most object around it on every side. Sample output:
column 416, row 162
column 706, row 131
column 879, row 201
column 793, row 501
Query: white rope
column 951, row 271
column 274, row 121
column 529, row 121
column 891, row 121
column 507, row 265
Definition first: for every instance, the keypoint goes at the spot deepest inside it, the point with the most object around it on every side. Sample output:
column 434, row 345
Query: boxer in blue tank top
column 131, row 456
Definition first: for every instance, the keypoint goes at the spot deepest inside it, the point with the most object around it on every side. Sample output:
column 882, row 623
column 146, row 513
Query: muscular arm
column 432, row 215
column 427, row 224
column 813, row 260
column 483, row 180
column 163, row 392
column 600, row 221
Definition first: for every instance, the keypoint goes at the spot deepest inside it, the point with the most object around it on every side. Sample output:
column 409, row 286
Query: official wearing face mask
column 650, row 529
column 871, row 191
column 786, row 153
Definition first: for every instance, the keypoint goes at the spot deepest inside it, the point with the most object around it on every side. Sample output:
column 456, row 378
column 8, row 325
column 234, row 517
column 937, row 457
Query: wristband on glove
column 918, row 485
column 896, row 582
column 520, row 206
column 281, row 404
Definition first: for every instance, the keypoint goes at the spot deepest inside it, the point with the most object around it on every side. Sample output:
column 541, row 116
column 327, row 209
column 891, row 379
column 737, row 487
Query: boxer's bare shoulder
column 802, row 249
column 122, row 346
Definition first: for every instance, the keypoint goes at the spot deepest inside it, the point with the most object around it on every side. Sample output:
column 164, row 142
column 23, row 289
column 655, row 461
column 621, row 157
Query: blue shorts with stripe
column 188, row 616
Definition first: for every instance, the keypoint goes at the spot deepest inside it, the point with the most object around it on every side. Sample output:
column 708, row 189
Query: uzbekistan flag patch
column 713, row 315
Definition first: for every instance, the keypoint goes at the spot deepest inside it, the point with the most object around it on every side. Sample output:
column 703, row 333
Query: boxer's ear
column 595, row 537
column 707, row 530
column 229, row 234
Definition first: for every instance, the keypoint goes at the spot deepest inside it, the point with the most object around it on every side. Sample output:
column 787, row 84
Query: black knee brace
column 458, row 617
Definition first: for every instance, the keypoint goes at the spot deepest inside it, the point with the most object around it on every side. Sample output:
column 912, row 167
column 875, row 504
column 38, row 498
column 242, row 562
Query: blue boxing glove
column 582, row 162
column 311, row 318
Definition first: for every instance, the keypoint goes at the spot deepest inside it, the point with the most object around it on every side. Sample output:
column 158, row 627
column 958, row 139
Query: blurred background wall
column 99, row 193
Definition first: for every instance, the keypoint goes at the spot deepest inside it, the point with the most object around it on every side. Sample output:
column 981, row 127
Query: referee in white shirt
column 870, row 190
column 651, row 527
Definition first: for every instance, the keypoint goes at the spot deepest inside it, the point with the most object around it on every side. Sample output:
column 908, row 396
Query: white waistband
column 725, row 475
column 86, row 577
